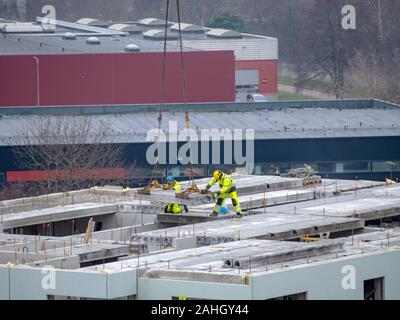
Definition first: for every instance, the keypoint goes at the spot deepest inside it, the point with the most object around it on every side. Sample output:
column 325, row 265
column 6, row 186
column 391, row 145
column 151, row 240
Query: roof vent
column 158, row 35
column 93, row 40
column 187, row 28
column 93, row 22
column 132, row 48
column 151, row 22
column 69, row 36
column 130, row 28
column 22, row 27
column 224, row 34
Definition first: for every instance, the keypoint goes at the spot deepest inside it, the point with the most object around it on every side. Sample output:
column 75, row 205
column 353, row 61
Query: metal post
column 121, row 228
column 37, row 80
column 388, row 238
column 249, row 264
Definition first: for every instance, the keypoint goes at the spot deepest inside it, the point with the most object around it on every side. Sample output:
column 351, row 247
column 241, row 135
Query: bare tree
column 12, row 191
column 326, row 47
column 73, row 151
column 369, row 78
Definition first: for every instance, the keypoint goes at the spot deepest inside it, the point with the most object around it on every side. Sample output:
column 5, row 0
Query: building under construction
column 118, row 244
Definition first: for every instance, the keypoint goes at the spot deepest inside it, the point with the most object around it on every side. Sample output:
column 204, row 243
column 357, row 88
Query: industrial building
column 292, row 236
column 350, row 139
column 92, row 62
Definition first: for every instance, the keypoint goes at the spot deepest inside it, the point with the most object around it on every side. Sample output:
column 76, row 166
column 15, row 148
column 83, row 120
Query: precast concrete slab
column 365, row 208
column 49, row 215
column 209, row 263
column 272, row 198
column 266, row 226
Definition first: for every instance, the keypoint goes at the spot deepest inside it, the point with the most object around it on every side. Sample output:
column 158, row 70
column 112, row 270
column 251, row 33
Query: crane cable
column 162, row 98
column 163, row 76
column 184, row 87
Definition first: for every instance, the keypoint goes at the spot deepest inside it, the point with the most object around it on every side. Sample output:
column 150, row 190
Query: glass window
column 324, row 168
column 225, row 168
column 268, row 169
column 342, row 167
column 285, row 167
column 385, row 166
column 257, row 169
column 141, row 172
column 186, row 171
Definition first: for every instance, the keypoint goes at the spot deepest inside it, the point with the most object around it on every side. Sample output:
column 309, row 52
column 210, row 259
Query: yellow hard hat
column 217, row 174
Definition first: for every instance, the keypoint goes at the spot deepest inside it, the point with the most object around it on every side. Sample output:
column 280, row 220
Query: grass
column 317, row 85
column 292, row 96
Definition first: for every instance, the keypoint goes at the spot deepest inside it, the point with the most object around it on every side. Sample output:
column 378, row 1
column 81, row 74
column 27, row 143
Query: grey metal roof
column 268, row 124
column 20, row 45
column 248, row 47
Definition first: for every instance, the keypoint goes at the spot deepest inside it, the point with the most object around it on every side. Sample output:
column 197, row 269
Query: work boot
column 239, row 215
column 214, row 214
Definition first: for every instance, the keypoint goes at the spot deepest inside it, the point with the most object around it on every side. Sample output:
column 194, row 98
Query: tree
column 68, row 149
column 227, row 20
column 327, row 48
column 370, row 78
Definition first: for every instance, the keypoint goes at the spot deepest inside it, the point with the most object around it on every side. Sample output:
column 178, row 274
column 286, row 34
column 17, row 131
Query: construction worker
column 227, row 189
column 174, row 208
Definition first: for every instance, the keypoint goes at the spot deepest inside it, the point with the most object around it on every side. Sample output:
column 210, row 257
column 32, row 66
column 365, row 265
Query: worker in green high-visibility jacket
column 173, row 208
column 227, row 189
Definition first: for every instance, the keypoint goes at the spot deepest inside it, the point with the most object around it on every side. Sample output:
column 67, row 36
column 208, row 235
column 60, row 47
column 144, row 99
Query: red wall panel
column 79, row 174
column 268, row 72
column 123, row 78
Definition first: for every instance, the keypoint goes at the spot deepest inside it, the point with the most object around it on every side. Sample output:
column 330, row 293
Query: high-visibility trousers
column 173, row 208
column 235, row 202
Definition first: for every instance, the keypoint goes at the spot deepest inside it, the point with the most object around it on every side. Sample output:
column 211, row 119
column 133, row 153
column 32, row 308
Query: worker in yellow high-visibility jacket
column 227, row 189
column 174, row 208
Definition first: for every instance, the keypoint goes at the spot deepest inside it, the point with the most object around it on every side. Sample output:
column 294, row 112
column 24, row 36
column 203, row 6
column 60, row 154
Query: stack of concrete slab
column 249, row 184
column 266, row 199
column 209, row 264
column 290, row 251
column 266, row 226
column 68, row 253
column 364, row 208
column 75, row 211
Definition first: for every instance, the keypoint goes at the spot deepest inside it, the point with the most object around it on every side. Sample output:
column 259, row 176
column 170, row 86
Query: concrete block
column 184, row 243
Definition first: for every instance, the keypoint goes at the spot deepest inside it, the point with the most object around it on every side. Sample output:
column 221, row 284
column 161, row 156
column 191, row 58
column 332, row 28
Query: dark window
column 295, row 296
column 98, row 226
column 373, row 289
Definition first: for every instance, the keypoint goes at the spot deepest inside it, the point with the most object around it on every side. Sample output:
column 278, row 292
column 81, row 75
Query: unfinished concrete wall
column 124, row 233
column 289, row 281
column 165, row 289
column 308, row 279
column 24, row 283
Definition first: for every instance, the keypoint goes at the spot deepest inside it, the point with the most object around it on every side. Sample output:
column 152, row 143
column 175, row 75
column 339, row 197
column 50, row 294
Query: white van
column 256, row 97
